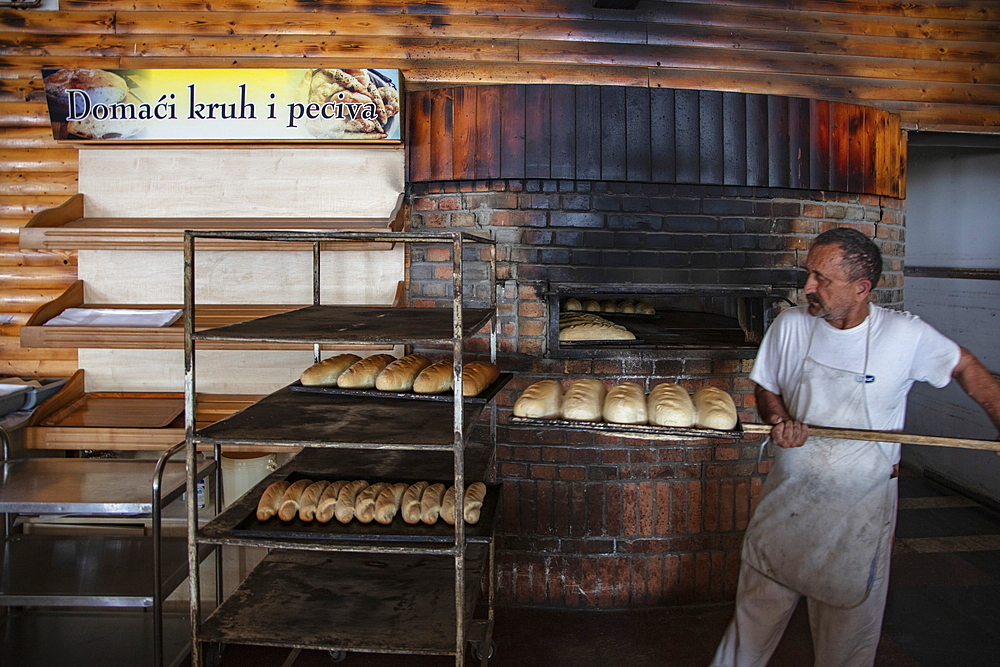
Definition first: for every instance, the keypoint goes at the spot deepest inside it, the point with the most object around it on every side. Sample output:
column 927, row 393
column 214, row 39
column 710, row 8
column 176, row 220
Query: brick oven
column 596, row 520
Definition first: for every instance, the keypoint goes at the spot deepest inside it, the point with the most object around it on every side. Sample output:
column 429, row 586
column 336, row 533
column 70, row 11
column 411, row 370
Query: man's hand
column 786, row 432
column 789, row 433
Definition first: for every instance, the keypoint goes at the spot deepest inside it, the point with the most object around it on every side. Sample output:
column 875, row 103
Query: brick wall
column 600, row 521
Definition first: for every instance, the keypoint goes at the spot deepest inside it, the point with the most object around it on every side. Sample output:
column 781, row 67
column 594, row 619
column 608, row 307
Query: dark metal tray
column 484, row 397
column 397, row 531
column 643, row 431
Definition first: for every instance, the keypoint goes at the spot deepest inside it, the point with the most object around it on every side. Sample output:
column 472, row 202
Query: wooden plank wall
column 935, row 64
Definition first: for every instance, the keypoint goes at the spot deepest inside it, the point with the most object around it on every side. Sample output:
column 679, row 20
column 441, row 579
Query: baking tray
column 397, row 531
column 120, row 410
column 643, row 431
column 485, row 396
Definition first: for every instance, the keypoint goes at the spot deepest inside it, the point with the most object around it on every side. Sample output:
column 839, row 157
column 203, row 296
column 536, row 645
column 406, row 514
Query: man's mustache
column 813, row 299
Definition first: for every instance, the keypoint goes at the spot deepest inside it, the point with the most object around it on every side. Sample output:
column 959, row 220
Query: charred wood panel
column 562, row 121
column 614, row 157
column 663, row 135
column 537, row 132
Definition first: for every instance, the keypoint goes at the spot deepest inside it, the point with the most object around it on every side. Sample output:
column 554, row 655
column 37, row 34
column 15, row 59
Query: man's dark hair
column 861, row 257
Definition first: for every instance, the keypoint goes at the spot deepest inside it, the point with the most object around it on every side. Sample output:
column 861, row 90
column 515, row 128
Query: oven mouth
column 685, row 317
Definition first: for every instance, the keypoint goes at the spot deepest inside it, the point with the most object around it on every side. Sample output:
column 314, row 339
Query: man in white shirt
column 825, row 519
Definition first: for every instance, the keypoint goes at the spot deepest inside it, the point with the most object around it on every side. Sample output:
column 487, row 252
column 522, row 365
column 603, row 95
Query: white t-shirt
column 902, row 350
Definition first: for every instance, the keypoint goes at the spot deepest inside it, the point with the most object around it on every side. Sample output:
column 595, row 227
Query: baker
column 825, row 519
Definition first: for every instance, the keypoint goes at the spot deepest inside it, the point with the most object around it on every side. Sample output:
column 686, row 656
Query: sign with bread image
column 299, row 105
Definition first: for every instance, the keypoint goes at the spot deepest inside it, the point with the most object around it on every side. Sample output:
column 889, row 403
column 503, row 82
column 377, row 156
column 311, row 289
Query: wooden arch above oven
column 653, row 135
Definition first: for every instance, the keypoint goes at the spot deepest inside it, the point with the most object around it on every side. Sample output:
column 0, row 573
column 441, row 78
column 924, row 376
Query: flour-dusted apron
column 824, row 505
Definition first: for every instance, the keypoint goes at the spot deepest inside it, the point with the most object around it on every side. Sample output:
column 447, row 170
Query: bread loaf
column 670, row 405
column 388, row 502
column 400, row 374
column 325, row 373
column 327, row 503
column 542, row 400
column 348, row 496
column 362, row 374
column 310, row 497
column 270, row 500
column 477, row 376
column 364, row 506
column 714, row 408
column 430, row 503
column 626, row 306
column 448, row 506
column 435, row 379
column 609, row 306
column 572, row 304
column 625, row 404
column 644, row 308
column 100, row 86
column 475, row 494
column 411, row 502
column 289, row 507
column 592, row 306
column 595, row 332
column 584, row 400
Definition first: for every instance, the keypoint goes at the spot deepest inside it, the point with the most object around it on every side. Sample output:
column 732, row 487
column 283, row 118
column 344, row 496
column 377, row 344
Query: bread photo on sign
column 353, row 103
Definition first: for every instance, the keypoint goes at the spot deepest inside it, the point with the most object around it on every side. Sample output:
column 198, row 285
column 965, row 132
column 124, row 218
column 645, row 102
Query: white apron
column 823, row 508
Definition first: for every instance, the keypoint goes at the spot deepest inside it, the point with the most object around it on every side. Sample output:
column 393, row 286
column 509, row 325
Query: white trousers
column 841, row 637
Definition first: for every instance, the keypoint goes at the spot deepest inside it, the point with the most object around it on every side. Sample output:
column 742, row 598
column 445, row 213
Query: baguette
column 474, row 497
column 364, row 506
column 270, row 500
column 430, row 503
column 625, row 404
column 327, row 503
column 310, row 498
column 362, row 374
column 400, row 374
column 387, row 503
column 346, row 499
column 289, row 507
column 670, row 405
column 435, row 379
column 325, row 373
column 411, row 502
column 542, row 400
column 584, row 400
column 714, row 408
column 448, row 506
column 477, row 376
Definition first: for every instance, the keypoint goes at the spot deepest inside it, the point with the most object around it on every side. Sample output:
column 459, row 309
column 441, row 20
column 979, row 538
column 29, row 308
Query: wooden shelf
column 66, row 228
column 35, row 334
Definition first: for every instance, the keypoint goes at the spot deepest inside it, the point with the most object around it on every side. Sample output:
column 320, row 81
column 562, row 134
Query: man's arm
column 979, row 384
column 786, row 432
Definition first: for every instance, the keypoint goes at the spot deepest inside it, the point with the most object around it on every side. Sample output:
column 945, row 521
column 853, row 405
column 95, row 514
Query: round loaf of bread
column 644, row 308
column 592, row 306
column 584, row 400
column 101, row 86
column 626, row 306
column 609, row 306
column 325, row 373
column 714, row 408
column 625, row 404
column 542, row 400
column 670, row 405
column 400, row 374
column 572, row 304
column 362, row 374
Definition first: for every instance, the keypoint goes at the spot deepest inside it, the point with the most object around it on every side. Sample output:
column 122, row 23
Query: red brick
column 678, row 507
column 509, row 497
column 607, row 367
column 727, row 453
column 595, row 510
column 613, row 509
column 572, row 582
column 424, row 204
column 513, row 470
column 555, row 454
column 742, row 503
column 642, row 455
column 554, row 578
column 661, row 524
column 590, row 581
column 698, row 454
column 614, row 456
column 577, row 509
column 654, row 581
column 672, row 455
column 639, row 576
column 539, row 584
column 686, row 578
column 605, row 581
column 531, row 309
column 711, row 517
column 529, row 346
column 813, row 210
column 630, row 509
column 531, row 327
column 522, row 579
column 717, row 583
column 578, row 367
column 560, row 509
column 732, row 573
column 702, row 580
column 694, row 507
column 573, row 473
column 543, row 508
column 726, row 504
column 671, row 578
column 622, row 582
column 646, row 515
column 437, row 254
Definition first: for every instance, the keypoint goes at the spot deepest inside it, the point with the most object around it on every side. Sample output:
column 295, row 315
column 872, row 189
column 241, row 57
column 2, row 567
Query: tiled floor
column 943, row 610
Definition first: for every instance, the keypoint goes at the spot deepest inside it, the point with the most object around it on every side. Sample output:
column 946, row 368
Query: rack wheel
column 477, row 650
column 337, row 656
column 213, row 654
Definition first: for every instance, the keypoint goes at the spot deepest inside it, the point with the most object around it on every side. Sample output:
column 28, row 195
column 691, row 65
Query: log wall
column 937, row 65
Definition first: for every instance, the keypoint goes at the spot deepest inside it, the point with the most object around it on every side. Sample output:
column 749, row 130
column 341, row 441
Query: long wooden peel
column 887, row 436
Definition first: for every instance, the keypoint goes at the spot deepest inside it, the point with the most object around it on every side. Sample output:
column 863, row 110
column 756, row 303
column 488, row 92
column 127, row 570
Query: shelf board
column 303, row 419
column 90, row 638
column 56, row 570
column 360, row 464
column 355, row 602
column 353, row 324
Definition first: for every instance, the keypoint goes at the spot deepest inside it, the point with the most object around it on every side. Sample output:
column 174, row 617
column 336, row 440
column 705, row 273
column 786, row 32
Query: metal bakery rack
column 362, row 588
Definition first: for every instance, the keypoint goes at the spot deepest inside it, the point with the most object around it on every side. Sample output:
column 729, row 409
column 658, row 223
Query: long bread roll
column 270, row 500
column 670, row 405
column 448, row 506
column 344, row 510
column 325, row 373
column 411, row 502
column 362, row 374
column 477, row 376
column 584, row 400
column 364, row 506
column 430, row 503
column 474, row 497
column 714, row 408
column 400, row 374
column 542, row 400
column 310, row 497
column 388, row 502
column 327, row 503
column 595, row 332
column 435, row 379
column 289, row 507
column 625, row 404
